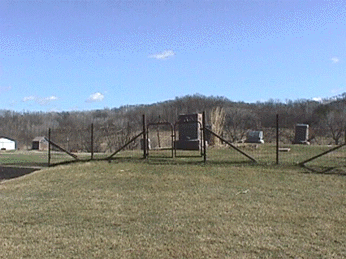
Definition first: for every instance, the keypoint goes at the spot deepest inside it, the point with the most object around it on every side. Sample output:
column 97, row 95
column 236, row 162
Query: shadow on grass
column 187, row 161
column 180, row 161
column 200, row 161
column 7, row 172
column 325, row 170
column 115, row 160
column 160, row 161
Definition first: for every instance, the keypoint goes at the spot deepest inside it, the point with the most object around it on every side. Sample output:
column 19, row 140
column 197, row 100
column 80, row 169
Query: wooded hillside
column 326, row 118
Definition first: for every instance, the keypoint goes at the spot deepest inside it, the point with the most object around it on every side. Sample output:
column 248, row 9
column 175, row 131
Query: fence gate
column 160, row 139
column 191, row 139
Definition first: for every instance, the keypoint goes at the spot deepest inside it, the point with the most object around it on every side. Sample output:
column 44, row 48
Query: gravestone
column 254, row 137
column 302, row 134
column 190, row 136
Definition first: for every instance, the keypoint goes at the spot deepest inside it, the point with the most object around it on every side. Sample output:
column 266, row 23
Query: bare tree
column 217, row 117
column 238, row 121
column 336, row 122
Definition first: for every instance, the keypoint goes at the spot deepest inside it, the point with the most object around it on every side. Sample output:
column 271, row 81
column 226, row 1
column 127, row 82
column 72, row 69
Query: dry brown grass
column 143, row 210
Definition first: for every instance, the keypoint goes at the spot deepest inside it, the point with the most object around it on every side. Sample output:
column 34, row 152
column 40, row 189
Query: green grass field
column 170, row 209
column 263, row 154
column 23, row 158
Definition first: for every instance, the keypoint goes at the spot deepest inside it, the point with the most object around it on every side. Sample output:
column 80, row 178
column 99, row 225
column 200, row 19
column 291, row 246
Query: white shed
column 7, row 143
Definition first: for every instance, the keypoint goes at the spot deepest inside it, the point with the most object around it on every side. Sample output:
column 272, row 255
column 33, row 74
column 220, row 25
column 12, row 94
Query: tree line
column 326, row 118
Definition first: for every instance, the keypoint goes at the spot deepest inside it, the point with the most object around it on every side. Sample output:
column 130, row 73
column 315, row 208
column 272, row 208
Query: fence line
column 93, row 143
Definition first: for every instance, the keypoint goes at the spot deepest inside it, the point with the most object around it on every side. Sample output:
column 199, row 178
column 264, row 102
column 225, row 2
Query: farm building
column 40, row 143
column 7, row 143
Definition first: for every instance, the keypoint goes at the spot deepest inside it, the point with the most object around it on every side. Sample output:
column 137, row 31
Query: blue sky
column 85, row 55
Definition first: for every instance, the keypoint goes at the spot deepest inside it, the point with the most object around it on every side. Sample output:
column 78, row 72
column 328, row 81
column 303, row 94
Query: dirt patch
column 13, row 172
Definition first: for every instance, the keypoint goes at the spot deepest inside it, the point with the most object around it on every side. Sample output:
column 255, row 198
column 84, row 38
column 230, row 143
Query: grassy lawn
column 23, row 158
column 178, row 210
column 263, row 154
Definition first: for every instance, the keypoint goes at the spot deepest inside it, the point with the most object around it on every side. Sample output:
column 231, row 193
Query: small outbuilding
column 40, row 143
column 7, row 143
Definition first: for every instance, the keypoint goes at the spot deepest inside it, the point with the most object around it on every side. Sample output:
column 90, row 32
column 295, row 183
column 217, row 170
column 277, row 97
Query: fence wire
column 93, row 142
column 99, row 142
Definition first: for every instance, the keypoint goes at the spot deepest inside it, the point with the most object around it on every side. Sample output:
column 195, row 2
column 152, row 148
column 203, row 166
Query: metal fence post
column 204, row 138
column 144, row 139
column 92, row 140
column 48, row 147
column 277, row 139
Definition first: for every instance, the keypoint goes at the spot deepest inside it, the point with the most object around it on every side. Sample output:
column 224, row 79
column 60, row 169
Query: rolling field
column 167, row 209
column 264, row 154
column 23, row 158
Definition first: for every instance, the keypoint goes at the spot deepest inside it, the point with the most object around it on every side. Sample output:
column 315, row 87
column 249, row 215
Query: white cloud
column 335, row 59
column 317, row 99
column 46, row 100
column 95, row 97
column 163, row 55
column 29, row 98
column 41, row 101
column 51, row 98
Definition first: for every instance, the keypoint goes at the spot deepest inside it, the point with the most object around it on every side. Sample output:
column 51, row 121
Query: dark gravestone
column 190, row 135
column 302, row 134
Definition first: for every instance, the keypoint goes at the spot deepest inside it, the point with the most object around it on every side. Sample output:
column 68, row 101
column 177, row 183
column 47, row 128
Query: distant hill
column 326, row 115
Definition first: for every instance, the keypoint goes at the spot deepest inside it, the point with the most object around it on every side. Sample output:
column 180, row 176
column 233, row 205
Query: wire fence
column 91, row 143
column 276, row 145
column 315, row 148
